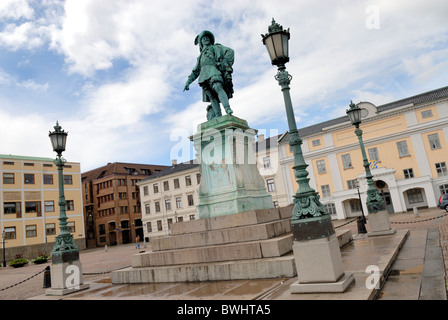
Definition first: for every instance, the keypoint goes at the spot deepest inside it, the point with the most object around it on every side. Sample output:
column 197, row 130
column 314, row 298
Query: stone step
column 231, row 221
column 277, row 246
column 260, row 268
column 228, row 270
column 245, row 233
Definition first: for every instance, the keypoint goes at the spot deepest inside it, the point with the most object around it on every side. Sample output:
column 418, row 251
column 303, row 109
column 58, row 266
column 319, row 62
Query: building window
column 331, row 209
column 155, row 187
column 120, row 182
column 355, row 205
column 352, row 184
column 415, row 196
column 426, row 114
column 346, row 161
column 402, row 148
column 11, row 207
column 159, row 225
column 122, row 195
column 29, row 178
column 267, row 162
column 148, row 227
column 188, row 181
column 70, row 205
column 123, row 210
column 198, row 178
column 178, row 202
column 48, row 179
column 316, row 142
column 168, row 204
column 32, row 207
column 271, row 185
column 8, row 178
column 408, row 173
column 190, row 200
column 49, row 206
column 192, row 217
column 68, row 179
column 50, row 229
column 176, row 183
column 147, row 208
column 321, row 166
column 166, row 186
column 441, row 169
column 145, row 190
column 71, row 226
column 102, row 229
column 31, row 231
column 373, row 154
column 443, row 189
column 157, row 205
column 434, row 141
column 326, row 191
column 10, row 233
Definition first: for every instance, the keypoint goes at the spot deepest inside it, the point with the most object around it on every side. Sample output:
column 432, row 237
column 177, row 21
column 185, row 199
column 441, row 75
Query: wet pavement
column 413, row 261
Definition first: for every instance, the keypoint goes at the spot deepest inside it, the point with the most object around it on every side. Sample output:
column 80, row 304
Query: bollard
column 47, row 277
column 416, row 212
column 105, row 248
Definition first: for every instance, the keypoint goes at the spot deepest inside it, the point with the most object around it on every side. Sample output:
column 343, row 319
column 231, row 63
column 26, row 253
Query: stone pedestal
column 319, row 266
column 230, row 181
column 66, row 277
column 379, row 224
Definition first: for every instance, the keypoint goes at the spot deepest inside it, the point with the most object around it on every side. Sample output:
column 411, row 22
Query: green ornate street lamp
column 65, row 248
column 374, row 201
column 309, row 219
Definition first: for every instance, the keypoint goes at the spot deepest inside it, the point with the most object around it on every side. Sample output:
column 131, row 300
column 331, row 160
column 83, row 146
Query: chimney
column 174, row 162
column 260, row 137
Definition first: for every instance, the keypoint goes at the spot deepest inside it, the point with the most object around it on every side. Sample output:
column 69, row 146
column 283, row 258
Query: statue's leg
column 222, row 95
column 215, row 104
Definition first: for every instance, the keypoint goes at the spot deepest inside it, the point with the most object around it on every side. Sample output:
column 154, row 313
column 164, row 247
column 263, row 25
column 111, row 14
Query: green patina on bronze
column 214, row 73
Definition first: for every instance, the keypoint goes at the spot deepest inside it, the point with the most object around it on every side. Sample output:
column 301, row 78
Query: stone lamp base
column 319, row 267
column 379, row 224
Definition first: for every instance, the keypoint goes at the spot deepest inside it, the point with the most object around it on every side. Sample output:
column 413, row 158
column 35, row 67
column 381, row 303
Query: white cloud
column 15, row 9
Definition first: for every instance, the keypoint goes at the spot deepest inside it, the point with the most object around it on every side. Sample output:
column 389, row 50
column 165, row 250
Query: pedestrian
column 137, row 240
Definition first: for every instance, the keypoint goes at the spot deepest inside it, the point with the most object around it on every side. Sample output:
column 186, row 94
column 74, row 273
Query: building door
column 125, row 236
column 388, row 202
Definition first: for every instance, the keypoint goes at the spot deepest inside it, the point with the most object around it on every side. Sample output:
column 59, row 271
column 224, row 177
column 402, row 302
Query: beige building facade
column 406, row 145
column 29, row 202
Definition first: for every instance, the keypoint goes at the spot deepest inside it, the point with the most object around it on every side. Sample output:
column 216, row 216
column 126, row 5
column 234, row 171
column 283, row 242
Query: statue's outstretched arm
column 193, row 76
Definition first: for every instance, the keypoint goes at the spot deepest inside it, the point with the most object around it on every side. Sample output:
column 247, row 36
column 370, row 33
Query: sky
column 112, row 72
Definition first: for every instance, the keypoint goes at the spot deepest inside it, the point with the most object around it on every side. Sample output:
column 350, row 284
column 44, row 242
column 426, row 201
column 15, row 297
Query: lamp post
column 3, row 246
column 66, row 276
column 316, row 249
column 361, row 221
column 374, row 200
column 309, row 219
column 378, row 219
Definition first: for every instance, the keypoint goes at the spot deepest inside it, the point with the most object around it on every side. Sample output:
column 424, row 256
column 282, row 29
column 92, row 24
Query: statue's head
column 205, row 33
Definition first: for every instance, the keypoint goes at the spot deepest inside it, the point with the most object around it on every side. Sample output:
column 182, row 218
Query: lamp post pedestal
column 319, row 267
column 379, row 224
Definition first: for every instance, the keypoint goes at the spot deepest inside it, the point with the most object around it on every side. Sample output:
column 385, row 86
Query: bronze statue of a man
column 214, row 73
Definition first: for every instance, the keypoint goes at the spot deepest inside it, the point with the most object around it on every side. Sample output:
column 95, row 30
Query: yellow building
column 405, row 141
column 29, row 204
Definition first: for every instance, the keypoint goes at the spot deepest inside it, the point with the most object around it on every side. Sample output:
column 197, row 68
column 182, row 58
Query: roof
column 30, row 158
column 174, row 169
column 434, row 95
column 121, row 168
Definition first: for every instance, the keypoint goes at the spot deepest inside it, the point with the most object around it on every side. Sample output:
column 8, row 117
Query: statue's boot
column 228, row 110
